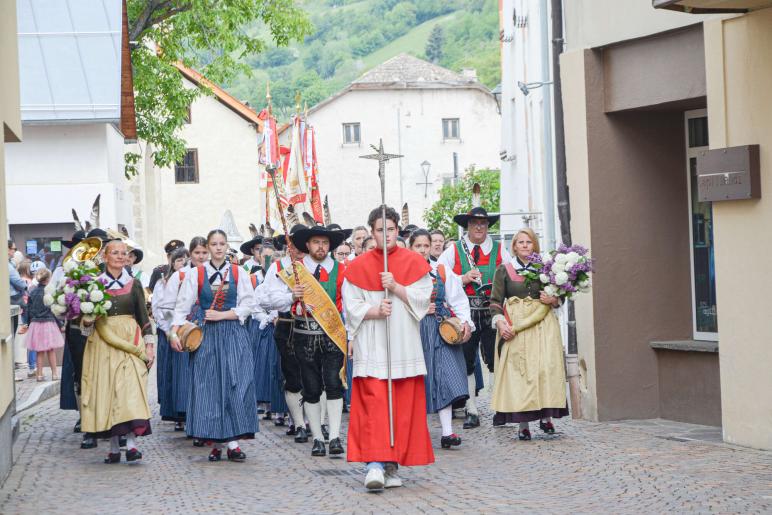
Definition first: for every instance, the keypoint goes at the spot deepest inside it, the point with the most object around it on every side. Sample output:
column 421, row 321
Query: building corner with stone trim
column 10, row 122
column 677, row 325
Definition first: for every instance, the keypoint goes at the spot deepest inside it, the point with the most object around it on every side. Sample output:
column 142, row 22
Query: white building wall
column 228, row 179
column 61, row 167
column 527, row 171
column 410, row 123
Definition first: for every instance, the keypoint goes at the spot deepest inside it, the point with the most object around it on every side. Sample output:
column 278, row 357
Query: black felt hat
column 247, row 246
column 300, row 238
column 173, row 245
column 477, row 213
column 408, row 230
column 99, row 233
column 139, row 253
column 77, row 237
column 281, row 240
column 346, row 232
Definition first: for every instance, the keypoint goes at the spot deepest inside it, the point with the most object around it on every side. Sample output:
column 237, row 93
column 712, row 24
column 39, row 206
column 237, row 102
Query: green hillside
column 351, row 37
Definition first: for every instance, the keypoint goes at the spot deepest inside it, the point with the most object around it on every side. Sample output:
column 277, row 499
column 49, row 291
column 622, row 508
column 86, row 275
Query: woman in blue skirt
column 163, row 309
column 445, row 380
column 221, row 402
column 179, row 362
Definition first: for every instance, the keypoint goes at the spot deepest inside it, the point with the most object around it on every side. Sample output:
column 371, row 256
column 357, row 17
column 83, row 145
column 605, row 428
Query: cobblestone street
column 587, row 467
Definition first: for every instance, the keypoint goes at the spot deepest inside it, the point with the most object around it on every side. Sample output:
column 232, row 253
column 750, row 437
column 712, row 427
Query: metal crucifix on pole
column 382, row 159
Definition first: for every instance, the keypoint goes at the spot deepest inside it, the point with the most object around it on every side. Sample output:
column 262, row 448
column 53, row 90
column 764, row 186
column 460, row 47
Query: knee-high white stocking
column 314, row 414
column 295, row 409
column 471, row 402
column 446, row 418
column 335, row 411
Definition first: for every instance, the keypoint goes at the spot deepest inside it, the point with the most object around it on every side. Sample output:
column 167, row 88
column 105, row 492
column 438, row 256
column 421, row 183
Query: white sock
column 233, row 445
column 314, row 412
column 523, row 425
column 295, row 409
column 323, row 404
column 114, row 447
column 446, row 417
column 471, row 402
column 131, row 442
column 335, row 411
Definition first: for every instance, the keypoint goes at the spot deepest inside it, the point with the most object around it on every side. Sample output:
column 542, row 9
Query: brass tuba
column 89, row 248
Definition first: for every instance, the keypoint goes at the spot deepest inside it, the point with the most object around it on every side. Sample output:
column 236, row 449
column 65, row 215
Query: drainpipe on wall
column 564, row 204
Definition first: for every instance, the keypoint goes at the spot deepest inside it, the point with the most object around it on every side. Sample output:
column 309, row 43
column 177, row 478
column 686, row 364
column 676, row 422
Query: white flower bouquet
column 79, row 294
column 563, row 273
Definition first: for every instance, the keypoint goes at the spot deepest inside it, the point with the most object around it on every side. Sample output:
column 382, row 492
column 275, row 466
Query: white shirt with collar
column 188, row 293
column 448, row 257
column 279, row 294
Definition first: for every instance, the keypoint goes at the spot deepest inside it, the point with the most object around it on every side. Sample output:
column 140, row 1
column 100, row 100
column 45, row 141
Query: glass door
column 703, row 273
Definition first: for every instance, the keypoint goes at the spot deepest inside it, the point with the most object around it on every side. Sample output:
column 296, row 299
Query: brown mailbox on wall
column 729, row 174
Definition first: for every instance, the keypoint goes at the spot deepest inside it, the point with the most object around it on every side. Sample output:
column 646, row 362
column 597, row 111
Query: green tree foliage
column 434, row 44
column 209, row 35
column 458, row 199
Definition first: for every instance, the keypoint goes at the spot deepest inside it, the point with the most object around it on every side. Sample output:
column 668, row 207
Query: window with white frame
column 351, row 133
column 450, row 128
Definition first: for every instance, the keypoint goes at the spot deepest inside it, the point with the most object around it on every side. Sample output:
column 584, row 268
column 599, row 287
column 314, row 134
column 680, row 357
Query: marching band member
column 486, row 255
column 114, row 383
column 160, row 270
column 275, row 296
column 319, row 336
column 221, row 403
column 162, row 314
column 445, row 367
column 366, row 309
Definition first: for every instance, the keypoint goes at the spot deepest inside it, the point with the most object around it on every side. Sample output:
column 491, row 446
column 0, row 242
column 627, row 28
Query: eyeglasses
column 342, row 254
column 478, row 223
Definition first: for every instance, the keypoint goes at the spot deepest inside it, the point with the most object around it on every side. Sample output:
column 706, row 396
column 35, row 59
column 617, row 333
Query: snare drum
column 452, row 331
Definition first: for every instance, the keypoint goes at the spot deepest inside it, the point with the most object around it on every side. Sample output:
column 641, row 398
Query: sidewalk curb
column 41, row 393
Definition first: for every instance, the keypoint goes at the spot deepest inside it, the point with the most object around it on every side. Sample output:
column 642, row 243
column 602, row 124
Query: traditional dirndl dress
column 222, row 404
column 277, row 399
column 445, row 379
column 162, row 373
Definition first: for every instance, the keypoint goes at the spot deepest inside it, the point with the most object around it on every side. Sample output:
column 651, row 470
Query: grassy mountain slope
column 352, row 37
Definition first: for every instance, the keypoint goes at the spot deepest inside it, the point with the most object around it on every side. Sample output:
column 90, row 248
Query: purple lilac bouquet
column 79, row 294
column 563, row 272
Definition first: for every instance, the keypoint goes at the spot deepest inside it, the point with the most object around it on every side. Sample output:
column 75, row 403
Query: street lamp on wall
column 426, row 167
column 526, row 87
column 496, row 92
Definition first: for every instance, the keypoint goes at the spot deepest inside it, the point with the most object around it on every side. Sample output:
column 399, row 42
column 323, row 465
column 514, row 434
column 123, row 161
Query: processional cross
column 382, row 158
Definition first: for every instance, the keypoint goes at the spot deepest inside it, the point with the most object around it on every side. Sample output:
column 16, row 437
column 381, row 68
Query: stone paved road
column 588, row 467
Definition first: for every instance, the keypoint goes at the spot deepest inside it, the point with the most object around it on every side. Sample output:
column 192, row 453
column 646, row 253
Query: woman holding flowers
column 118, row 355
column 529, row 366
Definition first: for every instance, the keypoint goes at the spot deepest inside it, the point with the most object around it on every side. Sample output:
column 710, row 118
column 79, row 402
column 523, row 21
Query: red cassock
column 368, row 430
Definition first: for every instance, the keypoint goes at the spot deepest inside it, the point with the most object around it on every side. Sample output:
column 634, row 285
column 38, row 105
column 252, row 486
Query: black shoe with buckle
column 318, row 449
column 133, row 455
column 88, row 442
column 325, row 433
column 113, row 458
column 471, row 421
column 291, row 430
column 525, row 434
column 336, row 447
column 278, row 421
column 179, row 426
column 547, row 427
column 446, row 442
column 76, row 429
column 236, row 455
column 301, row 435
column 215, row 455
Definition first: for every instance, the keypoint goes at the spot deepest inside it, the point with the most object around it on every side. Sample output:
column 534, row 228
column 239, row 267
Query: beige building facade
column 673, row 328
column 10, row 121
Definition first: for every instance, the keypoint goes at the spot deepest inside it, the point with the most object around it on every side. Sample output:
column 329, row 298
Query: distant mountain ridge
column 354, row 36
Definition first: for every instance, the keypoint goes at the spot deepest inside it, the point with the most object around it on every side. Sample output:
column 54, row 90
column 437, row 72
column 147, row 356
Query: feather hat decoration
column 326, row 211
column 308, row 219
column 253, row 230
column 94, row 217
column 405, row 215
column 76, row 221
column 292, row 216
column 476, row 196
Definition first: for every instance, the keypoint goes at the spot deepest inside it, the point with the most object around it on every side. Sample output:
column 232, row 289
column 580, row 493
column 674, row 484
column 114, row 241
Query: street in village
column 626, row 467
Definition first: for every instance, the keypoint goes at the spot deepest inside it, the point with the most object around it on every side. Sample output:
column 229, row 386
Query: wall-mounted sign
column 732, row 173
column 32, row 247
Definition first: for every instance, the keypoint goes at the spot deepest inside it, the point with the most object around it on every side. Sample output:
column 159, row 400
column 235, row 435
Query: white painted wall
column 228, row 179
column 527, row 168
column 410, row 123
column 61, row 167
